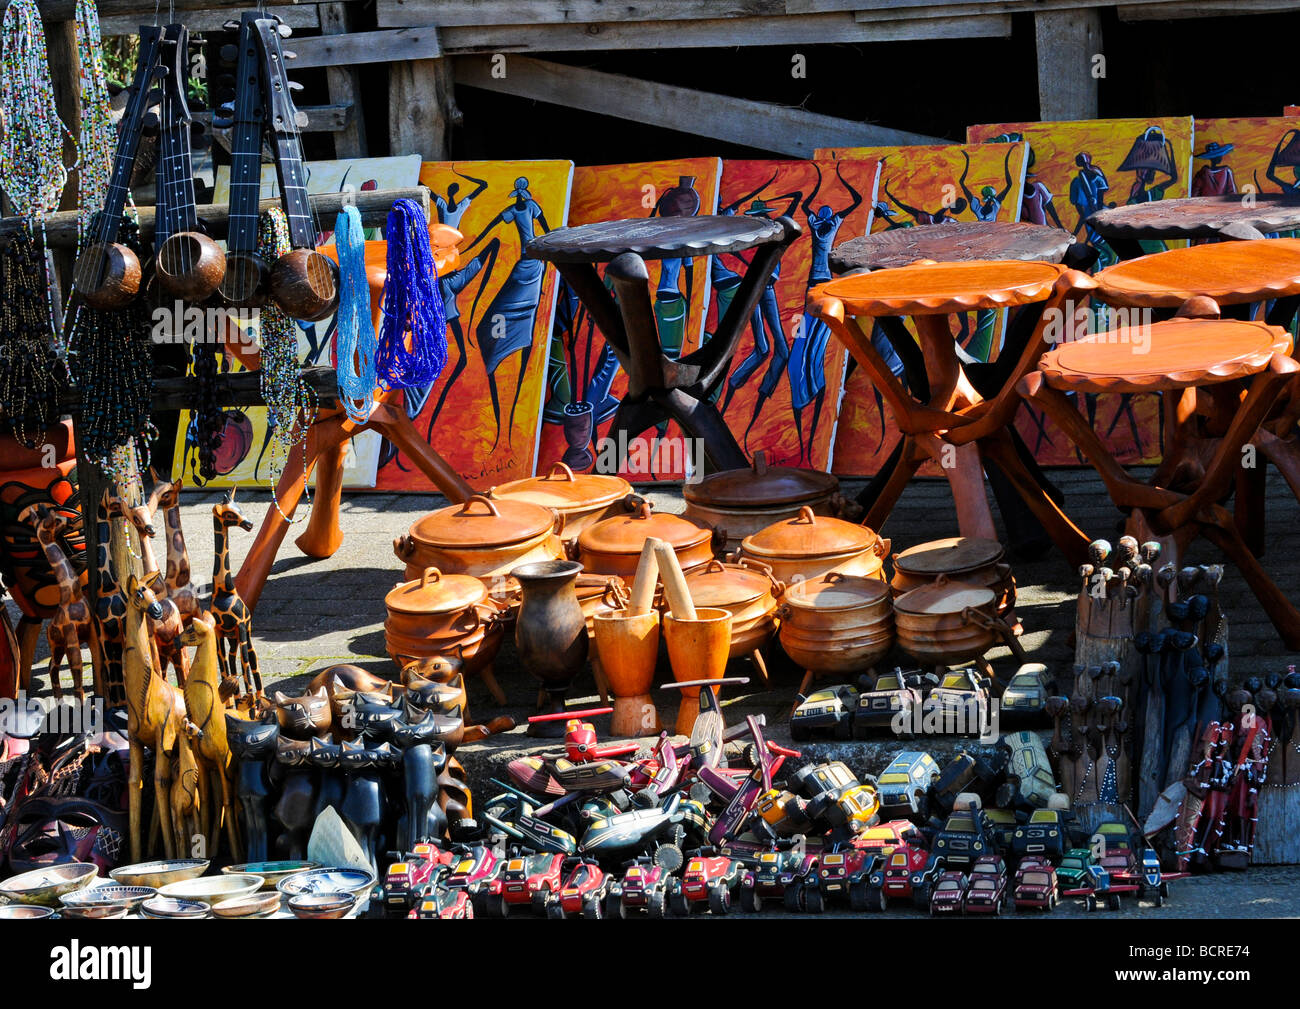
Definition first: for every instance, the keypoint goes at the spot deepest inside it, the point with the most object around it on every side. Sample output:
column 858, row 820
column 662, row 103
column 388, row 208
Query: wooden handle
column 679, row 596
column 647, row 574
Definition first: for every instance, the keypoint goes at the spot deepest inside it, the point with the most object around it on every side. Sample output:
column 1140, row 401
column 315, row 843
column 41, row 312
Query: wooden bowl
column 210, row 889
column 322, row 905
column 129, row 897
column 174, row 907
column 250, row 905
column 11, row 912
column 159, row 874
column 271, row 872
column 93, row 911
column 45, row 886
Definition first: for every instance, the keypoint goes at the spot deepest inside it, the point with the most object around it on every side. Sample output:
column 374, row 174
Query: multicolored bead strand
column 31, row 375
column 32, row 171
column 98, row 141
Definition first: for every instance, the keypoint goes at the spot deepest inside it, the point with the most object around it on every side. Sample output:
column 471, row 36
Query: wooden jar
column 442, row 615
column 747, row 591
column 613, row 546
column 946, row 622
column 581, row 500
column 837, row 623
column 966, row 559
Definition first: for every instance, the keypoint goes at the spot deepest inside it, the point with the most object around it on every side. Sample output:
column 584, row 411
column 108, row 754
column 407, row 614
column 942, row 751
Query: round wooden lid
column 760, row 486
column 944, row 597
column 1229, row 272
column 808, row 535
column 954, row 555
column 483, row 522
column 434, row 592
column 717, row 584
column 626, row 534
column 943, row 288
column 564, row 490
column 836, row 591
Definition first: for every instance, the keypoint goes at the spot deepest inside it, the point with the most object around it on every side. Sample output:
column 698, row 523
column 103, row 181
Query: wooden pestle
column 647, row 575
column 679, row 596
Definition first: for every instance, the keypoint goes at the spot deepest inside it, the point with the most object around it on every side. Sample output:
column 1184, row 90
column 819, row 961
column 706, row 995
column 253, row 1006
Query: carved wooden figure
column 304, row 715
column 206, row 727
column 365, row 803
column 233, row 618
column 295, row 810
column 180, row 589
column 253, row 745
column 323, row 755
column 110, row 613
column 70, row 627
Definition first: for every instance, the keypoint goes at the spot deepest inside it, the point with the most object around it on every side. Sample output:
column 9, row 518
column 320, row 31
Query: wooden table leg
column 962, row 466
column 1284, row 616
column 909, row 461
column 393, row 423
column 1249, row 505
column 323, row 535
column 1068, row 537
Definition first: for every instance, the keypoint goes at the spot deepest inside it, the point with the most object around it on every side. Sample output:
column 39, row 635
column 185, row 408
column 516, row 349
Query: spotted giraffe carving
column 179, row 587
column 234, row 620
column 110, row 613
column 70, row 627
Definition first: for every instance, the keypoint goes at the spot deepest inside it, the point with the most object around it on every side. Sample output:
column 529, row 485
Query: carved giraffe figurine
column 167, row 628
column 179, row 587
column 206, row 725
column 234, row 620
column 155, row 715
column 70, row 627
column 110, row 613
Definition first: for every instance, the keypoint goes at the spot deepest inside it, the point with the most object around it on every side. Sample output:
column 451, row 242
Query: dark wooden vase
column 550, row 632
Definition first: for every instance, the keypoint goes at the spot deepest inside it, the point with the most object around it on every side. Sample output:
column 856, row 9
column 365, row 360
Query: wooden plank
column 344, row 84
column 388, row 46
column 66, row 10
column 320, row 118
column 1067, row 41
column 725, row 33
column 174, row 392
column 1203, row 9
column 470, row 13
column 295, row 16
column 775, row 128
column 421, row 108
column 911, row 10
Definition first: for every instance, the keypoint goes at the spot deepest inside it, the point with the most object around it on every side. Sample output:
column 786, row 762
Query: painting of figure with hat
column 1214, row 178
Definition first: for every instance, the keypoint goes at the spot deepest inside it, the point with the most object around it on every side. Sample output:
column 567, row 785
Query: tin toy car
column 949, row 893
column 959, row 704
column 829, row 710
column 644, row 886
column 892, row 704
column 526, row 880
column 904, row 786
column 1041, row 834
column 709, row 877
column 987, row 894
column 1097, row 884
column 813, row 779
column 1073, row 869
column 1036, row 884
column 909, row 873
column 966, row 835
column 1030, row 783
column 965, row 772
column 1025, row 693
column 441, row 902
column 474, row 872
column 776, row 872
column 405, row 878
column 829, row 882
column 584, row 891
column 783, row 813
column 846, row 812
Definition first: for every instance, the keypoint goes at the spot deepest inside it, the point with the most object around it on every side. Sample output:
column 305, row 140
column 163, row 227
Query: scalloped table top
column 943, row 288
column 1198, row 216
column 1165, row 355
column 654, row 238
column 946, row 243
column 1229, row 272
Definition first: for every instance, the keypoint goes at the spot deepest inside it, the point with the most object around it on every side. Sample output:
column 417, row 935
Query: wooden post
column 344, row 86
column 421, row 108
column 1069, row 43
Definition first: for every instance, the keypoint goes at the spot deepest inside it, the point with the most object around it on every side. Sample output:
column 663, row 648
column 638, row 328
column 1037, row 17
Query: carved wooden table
column 661, row 387
column 957, row 242
column 954, row 423
column 1209, row 417
column 1231, row 216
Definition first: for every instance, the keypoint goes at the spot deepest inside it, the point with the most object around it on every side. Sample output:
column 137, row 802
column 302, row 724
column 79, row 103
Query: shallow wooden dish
column 213, row 888
column 45, row 886
column 322, row 905
column 13, row 912
column 251, row 905
column 158, row 874
column 174, row 907
column 271, row 872
column 129, row 897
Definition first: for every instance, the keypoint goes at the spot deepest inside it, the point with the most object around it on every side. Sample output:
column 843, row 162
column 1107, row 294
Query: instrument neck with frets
column 189, row 264
column 246, row 271
column 303, row 282
column 107, row 273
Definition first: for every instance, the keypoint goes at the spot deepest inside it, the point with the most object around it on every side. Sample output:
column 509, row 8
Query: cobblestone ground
column 314, row 613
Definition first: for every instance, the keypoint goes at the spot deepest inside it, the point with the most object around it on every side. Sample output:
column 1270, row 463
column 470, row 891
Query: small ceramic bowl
column 173, row 907
column 159, row 874
column 89, row 911
column 10, row 912
column 335, row 879
column 129, row 897
column 271, row 872
column 321, row 905
column 213, row 888
column 45, row 886
column 251, row 905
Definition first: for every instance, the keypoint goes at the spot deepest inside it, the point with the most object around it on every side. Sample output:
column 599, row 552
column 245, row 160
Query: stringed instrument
column 303, row 282
column 107, row 273
column 188, row 264
column 247, row 273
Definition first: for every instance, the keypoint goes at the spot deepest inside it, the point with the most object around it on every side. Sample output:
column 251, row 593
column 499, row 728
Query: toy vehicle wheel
column 669, row 857
column 591, row 908
column 792, row 897
column 1090, row 903
column 751, row 900
column 656, row 905
column 813, row 901
column 1164, row 888
column 802, row 776
column 554, row 910
column 614, row 907
column 843, row 729
column 858, row 896
column 501, row 906
column 719, row 899
column 1113, row 902
column 817, row 807
column 921, row 895
column 679, row 905
column 539, row 901
column 1159, row 899
column 1051, row 903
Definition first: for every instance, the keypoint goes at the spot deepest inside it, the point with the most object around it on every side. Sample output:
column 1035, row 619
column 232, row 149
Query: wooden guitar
column 189, row 264
column 303, row 282
column 107, row 273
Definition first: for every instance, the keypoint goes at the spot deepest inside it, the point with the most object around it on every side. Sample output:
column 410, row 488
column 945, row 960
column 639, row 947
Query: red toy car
column 583, row 892
column 406, row 879
column 830, row 880
column 1036, row 884
column 474, row 871
column 909, row 872
column 709, row 877
column 526, row 879
column 439, row 902
column 987, row 893
column 949, row 893
column 644, row 886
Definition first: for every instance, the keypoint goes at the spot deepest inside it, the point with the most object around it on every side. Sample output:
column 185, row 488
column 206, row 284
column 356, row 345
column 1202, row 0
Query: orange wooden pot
column 628, row 645
column 613, row 546
column 698, row 650
column 809, row 545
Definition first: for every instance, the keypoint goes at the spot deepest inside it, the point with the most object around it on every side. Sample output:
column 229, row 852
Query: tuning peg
column 295, row 86
column 288, row 54
column 150, row 123
column 300, row 119
column 229, row 53
column 283, row 29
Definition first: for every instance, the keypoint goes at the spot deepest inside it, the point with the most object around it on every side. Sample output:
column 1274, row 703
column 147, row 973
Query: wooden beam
column 320, row 118
column 1203, row 9
column 344, row 84
column 776, row 128
column 385, row 46
column 473, row 13
column 1067, row 43
column 295, row 16
column 421, row 109
column 915, row 10
column 61, row 228
column 810, row 29
column 240, row 388
column 66, row 10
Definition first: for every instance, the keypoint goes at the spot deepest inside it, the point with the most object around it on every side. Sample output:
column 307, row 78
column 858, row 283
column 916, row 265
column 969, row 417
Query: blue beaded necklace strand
column 354, row 338
column 412, row 304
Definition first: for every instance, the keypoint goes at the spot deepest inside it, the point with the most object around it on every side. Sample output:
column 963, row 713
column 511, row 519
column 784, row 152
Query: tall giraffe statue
column 70, row 627
column 167, row 628
column 206, row 725
column 155, row 717
column 110, row 613
column 234, row 620
column 179, row 587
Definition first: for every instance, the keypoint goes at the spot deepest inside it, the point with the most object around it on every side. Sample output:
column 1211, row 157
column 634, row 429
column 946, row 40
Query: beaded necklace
column 98, row 140
column 354, row 339
column 290, row 402
column 31, row 375
column 412, row 305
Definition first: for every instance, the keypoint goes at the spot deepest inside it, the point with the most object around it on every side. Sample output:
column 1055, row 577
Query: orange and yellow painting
column 585, row 383
column 782, row 393
column 923, row 186
column 1247, row 155
column 484, row 411
column 1075, row 169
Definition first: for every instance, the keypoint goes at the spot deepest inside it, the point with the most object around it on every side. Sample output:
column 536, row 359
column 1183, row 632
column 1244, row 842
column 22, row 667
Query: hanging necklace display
column 303, row 282
column 412, row 305
column 98, row 140
column 354, row 337
column 290, row 402
column 31, row 374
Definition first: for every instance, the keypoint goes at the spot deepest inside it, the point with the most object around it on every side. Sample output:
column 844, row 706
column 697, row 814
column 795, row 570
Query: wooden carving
column 180, row 589
column 206, row 727
column 234, row 620
column 110, row 613
column 70, row 626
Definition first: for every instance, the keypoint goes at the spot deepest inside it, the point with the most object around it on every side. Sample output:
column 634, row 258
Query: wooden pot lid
column 564, row 490
column 626, row 534
column 807, row 536
column 837, row 591
column 434, row 592
column 483, row 522
column 942, row 597
column 761, row 487
column 723, row 585
column 1229, row 272
column 943, row 288
column 954, row 555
